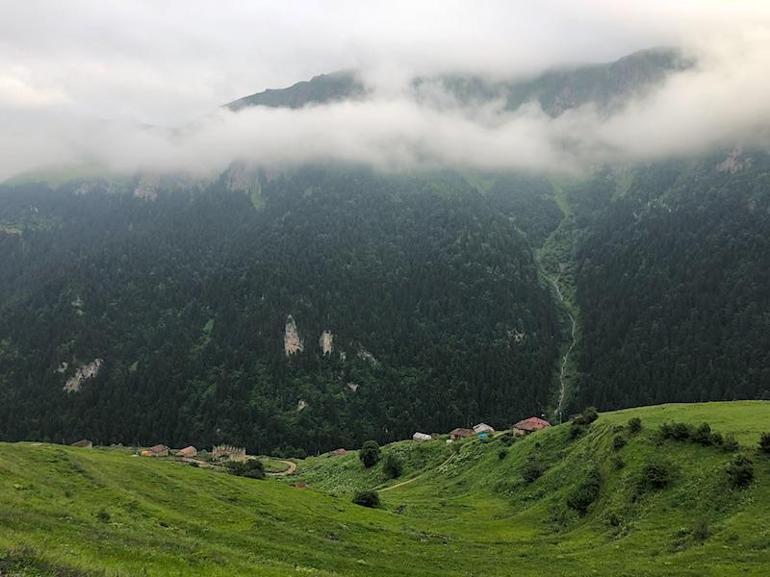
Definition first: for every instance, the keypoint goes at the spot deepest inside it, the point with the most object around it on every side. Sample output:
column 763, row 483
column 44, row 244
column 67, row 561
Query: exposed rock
column 291, row 341
column 352, row 386
column 326, row 342
column 516, row 335
column 734, row 163
column 365, row 355
column 82, row 374
column 301, row 405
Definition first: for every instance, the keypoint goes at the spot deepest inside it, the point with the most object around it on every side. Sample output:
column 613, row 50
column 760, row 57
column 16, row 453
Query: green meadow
column 470, row 508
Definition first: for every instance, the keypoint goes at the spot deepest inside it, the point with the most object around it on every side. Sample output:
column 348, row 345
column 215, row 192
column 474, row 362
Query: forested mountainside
column 673, row 281
column 305, row 309
column 197, row 315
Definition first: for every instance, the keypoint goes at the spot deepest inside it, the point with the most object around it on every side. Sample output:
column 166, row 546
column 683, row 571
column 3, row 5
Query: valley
column 69, row 511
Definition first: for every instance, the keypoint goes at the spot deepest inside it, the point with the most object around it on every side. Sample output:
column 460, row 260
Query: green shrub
column 618, row 442
column 634, row 425
column 680, row 431
column 532, row 470
column 393, row 466
column 576, row 430
column 731, row 444
column 702, row 434
column 716, row 439
column 701, row 530
column 582, row 496
column 251, row 468
column 369, row 454
column 740, row 471
column 676, row 431
column 588, row 416
column 367, row 499
column 103, row 516
column 507, row 439
column 502, row 454
column 656, row 474
column 764, row 443
column 618, row 463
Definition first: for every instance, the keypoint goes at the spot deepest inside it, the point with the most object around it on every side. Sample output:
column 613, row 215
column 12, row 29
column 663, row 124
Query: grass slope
column 67, row 511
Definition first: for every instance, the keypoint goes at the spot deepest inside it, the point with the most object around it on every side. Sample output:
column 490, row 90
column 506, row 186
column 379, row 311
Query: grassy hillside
column 468, row 510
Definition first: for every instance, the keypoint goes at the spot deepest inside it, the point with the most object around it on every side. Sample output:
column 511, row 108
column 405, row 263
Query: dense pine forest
column 432, row 296
column 673, row 271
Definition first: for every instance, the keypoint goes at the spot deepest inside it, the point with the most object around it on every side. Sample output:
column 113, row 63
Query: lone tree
column 369, row 454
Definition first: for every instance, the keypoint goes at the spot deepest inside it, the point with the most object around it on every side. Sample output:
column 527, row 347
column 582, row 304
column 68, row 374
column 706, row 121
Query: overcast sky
column 65, row 65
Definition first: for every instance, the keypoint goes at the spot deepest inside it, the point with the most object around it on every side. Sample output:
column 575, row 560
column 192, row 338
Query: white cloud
column 80, row 80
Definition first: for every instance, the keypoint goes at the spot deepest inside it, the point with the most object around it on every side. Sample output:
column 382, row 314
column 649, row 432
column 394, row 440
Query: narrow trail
column 402, row 483
column 565, row 358
column 291, row 467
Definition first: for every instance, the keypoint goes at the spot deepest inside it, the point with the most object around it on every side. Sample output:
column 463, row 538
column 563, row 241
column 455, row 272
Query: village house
column 483, row 428
column 460, row 433
column 421, row 437
column 338, row 452
column 187, row 452
column 83, row 444
column 229, row 452
column 530, row 425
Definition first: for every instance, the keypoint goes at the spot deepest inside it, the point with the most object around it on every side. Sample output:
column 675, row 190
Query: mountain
column 645, row 505
column 556, row 90
column 321, row 89
column 297, row 310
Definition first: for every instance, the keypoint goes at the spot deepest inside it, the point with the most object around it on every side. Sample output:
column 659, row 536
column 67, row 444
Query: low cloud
column 724, row 100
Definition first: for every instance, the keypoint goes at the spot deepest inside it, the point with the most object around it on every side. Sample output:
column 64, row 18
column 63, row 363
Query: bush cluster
column 369, row 454
column 393, row 466
column 702, row 434
column 740, row 471
column 251, row 468
column 582, row 496
column 532, row 470
column 635, row 425
column 764, row 443
column 581, row 422
column 656, row 475
column 367, row 499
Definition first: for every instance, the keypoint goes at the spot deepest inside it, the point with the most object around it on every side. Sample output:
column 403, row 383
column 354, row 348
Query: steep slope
column 201, row 317
column 84, row 512
column 672, row 279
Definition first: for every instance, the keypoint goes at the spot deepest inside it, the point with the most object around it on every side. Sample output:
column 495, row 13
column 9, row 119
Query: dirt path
column 291, row 468
column 402, row 483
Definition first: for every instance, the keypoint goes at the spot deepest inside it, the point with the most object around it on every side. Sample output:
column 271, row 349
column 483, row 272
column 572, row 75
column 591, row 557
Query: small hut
column 460, row 433
column 483, row 428
column 421, row 437
column 187, row 452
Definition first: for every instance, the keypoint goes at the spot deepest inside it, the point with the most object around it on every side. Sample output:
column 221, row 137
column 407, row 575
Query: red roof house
column 530, row 425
